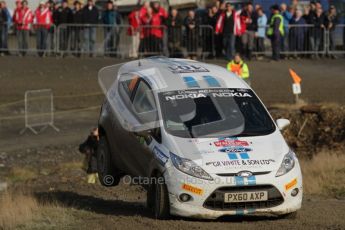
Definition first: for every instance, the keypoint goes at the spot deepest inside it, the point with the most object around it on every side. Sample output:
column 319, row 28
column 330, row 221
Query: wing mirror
column 146, row 135
column 282, row 123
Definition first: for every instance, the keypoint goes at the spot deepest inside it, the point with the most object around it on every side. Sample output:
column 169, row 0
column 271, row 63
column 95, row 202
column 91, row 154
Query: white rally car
column 197, row 138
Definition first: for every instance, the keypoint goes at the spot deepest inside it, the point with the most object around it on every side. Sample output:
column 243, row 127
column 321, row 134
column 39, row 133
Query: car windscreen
column 220, row 112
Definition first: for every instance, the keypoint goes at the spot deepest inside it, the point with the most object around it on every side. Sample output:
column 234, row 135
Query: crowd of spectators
column 219, row 27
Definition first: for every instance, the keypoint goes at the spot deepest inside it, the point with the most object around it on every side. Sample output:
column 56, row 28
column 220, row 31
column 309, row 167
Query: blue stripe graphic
column 211, row 81
column 239, row 180
column 244, row 156
column 251, row 180
column 191, row 82
column 232, row 156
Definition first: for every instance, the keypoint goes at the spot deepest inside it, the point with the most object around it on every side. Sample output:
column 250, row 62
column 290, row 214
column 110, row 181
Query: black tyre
column 107, row 174
column 158, row 198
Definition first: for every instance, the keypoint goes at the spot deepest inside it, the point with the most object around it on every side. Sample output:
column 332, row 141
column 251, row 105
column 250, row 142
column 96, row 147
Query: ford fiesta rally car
column 197, row 138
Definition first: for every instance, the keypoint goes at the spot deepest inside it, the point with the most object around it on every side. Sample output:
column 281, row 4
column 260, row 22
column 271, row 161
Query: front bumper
column 208, row 196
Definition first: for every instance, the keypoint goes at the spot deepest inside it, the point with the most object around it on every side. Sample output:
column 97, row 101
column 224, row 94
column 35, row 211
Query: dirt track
column 53, row 157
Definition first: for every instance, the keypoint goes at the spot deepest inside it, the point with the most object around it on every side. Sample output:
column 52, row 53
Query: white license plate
column 245, row 196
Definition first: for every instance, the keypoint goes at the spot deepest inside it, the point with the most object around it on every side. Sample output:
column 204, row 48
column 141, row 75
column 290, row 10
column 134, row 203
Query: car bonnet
column 231, row 155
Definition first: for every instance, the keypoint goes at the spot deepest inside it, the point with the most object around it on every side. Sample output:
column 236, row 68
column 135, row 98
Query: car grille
column 216, row 200
column 235, row 174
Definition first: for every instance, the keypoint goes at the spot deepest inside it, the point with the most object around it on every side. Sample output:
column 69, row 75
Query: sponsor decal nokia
column 215, row 93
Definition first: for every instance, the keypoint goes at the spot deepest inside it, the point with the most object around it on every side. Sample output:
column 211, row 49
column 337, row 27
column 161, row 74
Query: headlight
column 287, row 164
column 189, row 167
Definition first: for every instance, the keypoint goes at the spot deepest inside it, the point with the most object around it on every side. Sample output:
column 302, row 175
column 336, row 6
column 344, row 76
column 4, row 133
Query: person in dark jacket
column 248, row 37
column 228, row 32
column 316, row 35
column 77, row 30
column 297, row 33
column 276, row 31
column 3, row 28
column 111, row 18
column 212, row 18
column 174, row 24
column 64, row 17
column 331, row 23
column 191, row 36
column 90, row 18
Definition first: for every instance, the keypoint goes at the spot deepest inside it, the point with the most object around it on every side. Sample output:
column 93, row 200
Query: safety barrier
column 336, row 40
column 176, row 42
column 125, row 41
column 39, row 110
column 93, row 39
column 297, row 40
column 38, row 39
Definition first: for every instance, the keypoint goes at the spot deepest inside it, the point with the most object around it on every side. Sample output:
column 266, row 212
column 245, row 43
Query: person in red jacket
column 159, row 15
column 229, row 24
column 44, row 20
column 22, row 19
column 133, row 31
column 145, row 36
column 152, row 31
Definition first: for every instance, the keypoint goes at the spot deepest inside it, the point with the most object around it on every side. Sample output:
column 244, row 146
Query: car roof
column 167, row 74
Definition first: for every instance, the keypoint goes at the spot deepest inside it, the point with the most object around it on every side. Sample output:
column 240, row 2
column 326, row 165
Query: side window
column 127, row 87
column 143, row 100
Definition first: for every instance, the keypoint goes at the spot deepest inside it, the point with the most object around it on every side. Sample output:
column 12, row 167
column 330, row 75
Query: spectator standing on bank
column 297, row 33
column 44, row 20
column 111, row 18
column 174, row 24
column 261, row 34
column 213, row 16
column 64, row 18
column 249, row 17
column 3, row 29
column 50, row 4
column 90, row 17
column 226, row 25
column 22, row 18
column 331, row 23
column 134, row 32
column 145, row 36
column 276, row 31
column 77, row 31
column 287, row 16
column 318, row 22
column 159, row 15
column 191, row 36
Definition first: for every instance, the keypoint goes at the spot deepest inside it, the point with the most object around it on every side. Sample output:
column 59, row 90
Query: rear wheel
column 158, row 198
column 107, row 174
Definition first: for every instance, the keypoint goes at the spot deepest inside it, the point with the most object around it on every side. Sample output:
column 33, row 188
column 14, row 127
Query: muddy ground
column 49, row 163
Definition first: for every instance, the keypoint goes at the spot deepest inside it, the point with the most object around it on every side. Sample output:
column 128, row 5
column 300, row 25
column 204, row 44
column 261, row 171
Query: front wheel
column 158, row 198
column 107, row 174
